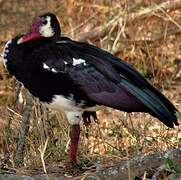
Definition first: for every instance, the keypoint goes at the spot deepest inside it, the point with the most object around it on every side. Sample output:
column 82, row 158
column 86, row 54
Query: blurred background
column 142, row 33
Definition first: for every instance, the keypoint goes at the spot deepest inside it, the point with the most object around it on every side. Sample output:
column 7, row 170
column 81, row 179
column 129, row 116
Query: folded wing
column 109, row 81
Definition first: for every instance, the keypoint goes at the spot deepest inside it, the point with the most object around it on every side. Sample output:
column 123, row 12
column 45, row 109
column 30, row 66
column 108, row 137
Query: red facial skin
column 74, row 136
column 34, row 31
column 29, row 36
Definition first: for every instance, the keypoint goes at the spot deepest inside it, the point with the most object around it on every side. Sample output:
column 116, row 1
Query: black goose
column 78, row 78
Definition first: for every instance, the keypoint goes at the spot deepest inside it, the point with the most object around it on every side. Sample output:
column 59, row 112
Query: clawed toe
column 87, row 115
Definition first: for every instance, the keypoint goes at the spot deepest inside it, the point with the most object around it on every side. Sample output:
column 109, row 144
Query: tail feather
column 157, row 105
column 163, row 99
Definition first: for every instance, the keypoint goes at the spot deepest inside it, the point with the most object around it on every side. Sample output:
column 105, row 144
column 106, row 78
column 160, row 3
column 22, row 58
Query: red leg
column 74, row 139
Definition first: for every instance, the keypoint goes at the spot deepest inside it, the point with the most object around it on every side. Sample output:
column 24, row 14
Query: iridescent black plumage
column 104, row 80
column 81, row 75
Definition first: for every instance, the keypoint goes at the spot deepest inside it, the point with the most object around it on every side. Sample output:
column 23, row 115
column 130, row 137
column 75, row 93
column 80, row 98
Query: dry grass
column 151, row 43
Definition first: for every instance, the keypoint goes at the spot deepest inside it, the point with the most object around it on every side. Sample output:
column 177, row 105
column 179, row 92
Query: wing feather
column 108, row 80
column 124, row 69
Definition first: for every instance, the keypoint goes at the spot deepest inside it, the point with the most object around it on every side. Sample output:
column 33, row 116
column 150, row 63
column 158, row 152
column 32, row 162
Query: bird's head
column 44, row 26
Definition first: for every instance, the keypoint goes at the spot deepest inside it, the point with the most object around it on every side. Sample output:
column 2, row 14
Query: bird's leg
column 74, row 118
column 74, row 140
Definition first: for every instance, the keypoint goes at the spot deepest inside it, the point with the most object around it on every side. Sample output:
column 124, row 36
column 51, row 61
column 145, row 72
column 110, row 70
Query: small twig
column 14, row 112
column 42, row 150
column 24, row 131
column 98, row 30
column 156, row 37
column 151, row 60
column 128, row 162
column 18, row 91
column 170, row 18
column 120, row 31
column 168, row 5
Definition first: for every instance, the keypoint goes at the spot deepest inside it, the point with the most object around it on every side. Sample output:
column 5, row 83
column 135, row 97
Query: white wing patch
column 46, row 30
column 5, row 52
column 45, row 66
column 78, row 61
column 122, row 76
column 53, row 70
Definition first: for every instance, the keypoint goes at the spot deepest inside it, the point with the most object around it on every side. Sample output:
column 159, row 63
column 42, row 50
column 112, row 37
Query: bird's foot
column 73, row 168
column 87, row 116
column 76, row 168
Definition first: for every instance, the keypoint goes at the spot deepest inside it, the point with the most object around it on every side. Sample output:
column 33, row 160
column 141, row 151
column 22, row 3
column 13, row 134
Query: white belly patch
column 61, row 103
column 72, row 110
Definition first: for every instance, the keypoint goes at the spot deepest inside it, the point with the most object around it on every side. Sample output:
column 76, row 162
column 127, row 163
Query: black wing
column 109, row 81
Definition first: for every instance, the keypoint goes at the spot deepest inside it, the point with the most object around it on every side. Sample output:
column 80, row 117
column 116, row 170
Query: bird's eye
column 44, row 21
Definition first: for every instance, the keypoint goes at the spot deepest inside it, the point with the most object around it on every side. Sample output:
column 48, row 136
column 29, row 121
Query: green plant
column 170, row 166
